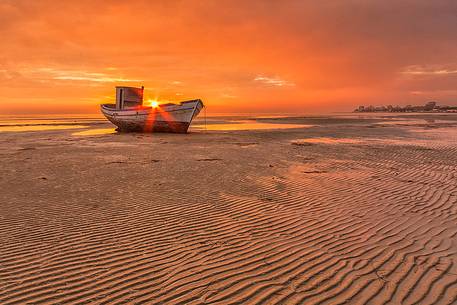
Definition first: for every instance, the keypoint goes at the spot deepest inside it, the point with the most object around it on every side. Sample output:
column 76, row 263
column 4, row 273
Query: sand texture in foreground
column 346, row 211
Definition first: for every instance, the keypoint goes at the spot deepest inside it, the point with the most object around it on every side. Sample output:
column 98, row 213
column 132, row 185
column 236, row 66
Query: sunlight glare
column 153, row 103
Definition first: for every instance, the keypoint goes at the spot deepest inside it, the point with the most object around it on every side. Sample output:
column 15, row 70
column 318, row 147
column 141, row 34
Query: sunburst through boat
column 129, row 113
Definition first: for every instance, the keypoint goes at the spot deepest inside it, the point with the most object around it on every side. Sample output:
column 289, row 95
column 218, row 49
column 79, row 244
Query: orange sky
column 238, row 56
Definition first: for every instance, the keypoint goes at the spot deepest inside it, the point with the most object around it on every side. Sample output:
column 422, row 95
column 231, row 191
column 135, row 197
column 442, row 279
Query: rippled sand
column 346, row 211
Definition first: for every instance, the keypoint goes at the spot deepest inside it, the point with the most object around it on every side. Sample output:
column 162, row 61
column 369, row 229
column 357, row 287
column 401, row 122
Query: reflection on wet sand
column 412, row 122
column 38, row 128
column 247, row 125
column 94, row 132
column 324, row 140
column 427, row 137
column 228, row 126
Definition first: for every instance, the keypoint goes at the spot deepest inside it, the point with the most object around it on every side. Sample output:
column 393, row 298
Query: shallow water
column 24, row 124
column 246, row 125
column 95, row 132
column 43, row 123
column 98, row 125
column 24, row 128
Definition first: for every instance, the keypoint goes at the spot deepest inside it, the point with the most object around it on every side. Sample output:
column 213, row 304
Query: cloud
column 273, row 81
column 6, row 74
column 424, row 70
column 75, row 75
column 434, row 92
column 226, row 95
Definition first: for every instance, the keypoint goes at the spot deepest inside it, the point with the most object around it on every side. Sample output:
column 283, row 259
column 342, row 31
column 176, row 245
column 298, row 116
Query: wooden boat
column 129, row 113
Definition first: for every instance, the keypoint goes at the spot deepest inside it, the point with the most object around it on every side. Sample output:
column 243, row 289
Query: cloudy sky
column 238, row 56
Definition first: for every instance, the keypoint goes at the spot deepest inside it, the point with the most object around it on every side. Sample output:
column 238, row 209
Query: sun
column 153, row 103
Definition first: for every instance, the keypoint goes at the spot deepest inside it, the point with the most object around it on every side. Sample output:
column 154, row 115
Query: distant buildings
column 428, row 107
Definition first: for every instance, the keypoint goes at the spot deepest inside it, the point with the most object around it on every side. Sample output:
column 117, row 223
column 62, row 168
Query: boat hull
column 175, row 118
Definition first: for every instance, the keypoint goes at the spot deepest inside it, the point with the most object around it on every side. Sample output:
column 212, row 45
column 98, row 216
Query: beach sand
column 343, row 210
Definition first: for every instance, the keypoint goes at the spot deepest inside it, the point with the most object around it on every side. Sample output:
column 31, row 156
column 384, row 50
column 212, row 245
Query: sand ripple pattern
column 374, row 227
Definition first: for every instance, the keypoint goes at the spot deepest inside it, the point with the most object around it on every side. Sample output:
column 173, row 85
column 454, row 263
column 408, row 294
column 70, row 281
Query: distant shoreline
column 433, row 111
column 429, row 107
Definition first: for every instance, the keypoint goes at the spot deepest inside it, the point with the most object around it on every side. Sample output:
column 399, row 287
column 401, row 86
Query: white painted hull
column 165, row 118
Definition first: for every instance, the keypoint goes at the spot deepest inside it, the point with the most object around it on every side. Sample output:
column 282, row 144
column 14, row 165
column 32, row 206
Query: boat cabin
column 129, row 97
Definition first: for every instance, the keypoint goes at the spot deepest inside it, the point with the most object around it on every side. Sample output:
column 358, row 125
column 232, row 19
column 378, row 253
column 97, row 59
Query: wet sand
column 332, row 210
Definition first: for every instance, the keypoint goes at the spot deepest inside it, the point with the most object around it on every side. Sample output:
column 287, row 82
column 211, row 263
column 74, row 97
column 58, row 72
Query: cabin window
column 131, row 104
